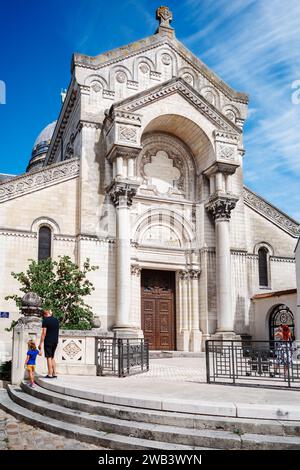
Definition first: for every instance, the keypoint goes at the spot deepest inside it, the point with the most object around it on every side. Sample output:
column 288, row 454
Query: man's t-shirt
column 52, row 325
column 32, row 353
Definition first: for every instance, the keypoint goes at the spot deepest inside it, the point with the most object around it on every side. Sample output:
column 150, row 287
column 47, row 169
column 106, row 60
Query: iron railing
column 122, row 357
column 273, row 364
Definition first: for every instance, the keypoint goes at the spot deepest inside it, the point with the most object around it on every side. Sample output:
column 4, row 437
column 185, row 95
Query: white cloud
column 254, row 46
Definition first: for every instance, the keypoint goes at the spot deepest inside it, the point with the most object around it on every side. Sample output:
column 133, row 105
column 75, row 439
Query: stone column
column 135, row 311
column 183, row 343
column 122, row 193
column 196, row 336
column 220, row 206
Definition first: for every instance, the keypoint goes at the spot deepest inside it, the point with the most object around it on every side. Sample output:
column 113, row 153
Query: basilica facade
column 143, row 173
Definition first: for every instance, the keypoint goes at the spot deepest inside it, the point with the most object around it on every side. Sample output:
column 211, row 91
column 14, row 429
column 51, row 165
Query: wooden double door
column 158, row 308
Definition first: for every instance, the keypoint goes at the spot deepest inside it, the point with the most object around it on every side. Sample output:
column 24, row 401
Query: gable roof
column 119, row 54
column 272, row 213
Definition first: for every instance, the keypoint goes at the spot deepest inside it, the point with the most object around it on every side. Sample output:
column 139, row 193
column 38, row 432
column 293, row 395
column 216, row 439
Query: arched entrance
column 281, row 315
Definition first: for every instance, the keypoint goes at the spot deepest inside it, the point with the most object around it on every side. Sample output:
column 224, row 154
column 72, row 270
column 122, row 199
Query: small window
column 44, row 243
column 263, row 267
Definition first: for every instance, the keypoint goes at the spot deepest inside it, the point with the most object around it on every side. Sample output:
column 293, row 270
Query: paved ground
column 16, row 435
column 155, row 389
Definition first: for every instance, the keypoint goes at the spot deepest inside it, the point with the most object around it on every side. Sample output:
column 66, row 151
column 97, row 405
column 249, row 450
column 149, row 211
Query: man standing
column 49, row 337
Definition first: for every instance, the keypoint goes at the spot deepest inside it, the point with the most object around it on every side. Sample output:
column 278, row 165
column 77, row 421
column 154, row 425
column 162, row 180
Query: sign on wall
column 4, row 314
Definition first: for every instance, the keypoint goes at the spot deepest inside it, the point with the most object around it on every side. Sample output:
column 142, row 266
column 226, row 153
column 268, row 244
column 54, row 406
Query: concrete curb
column 284, row 412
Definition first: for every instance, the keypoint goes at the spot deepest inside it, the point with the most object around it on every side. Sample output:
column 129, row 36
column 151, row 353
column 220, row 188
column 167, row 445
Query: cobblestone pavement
column 16, row 435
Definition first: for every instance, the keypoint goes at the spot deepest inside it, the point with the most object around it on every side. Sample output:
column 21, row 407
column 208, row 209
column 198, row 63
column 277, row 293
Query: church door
column 158, row 309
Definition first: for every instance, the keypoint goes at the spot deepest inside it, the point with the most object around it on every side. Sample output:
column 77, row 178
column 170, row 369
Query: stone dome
column 40, row 148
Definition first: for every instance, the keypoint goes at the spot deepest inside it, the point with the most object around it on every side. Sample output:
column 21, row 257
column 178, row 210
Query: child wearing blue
column 32, row 353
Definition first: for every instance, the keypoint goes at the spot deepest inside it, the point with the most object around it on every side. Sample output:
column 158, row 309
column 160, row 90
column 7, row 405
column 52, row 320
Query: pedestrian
column 283, row 348
column 49, row 338
column 32, row 353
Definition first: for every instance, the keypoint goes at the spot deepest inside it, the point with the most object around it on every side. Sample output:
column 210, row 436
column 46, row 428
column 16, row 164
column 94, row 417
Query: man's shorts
column 30, row 367
column 50, row 349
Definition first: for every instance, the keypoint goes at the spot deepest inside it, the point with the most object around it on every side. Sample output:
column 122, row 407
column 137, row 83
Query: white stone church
column 143, row 173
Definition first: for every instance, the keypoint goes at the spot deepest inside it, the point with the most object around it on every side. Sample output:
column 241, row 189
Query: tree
column 61, row 286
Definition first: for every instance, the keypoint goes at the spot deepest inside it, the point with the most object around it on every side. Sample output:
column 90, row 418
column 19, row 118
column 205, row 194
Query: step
column 205, row 438
column 156, row 432
column 104, row 439
column 244, row 425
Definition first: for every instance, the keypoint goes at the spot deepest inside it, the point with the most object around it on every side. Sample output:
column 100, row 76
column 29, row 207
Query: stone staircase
column 123, row 427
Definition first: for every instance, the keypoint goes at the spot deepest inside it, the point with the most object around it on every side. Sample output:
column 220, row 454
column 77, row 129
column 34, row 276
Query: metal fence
column 274, row 364
column 122, row 357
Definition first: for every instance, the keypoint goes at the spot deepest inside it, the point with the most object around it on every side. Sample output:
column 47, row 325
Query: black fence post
column 233, row 362
column 207, row 361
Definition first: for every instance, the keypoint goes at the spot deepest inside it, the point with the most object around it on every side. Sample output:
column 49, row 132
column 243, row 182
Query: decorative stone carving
column 121, row 77
column 210, row 97
column 96, row 87
column 230, row 115
column 122, row 190
column 164, row 16
column 220, row 207
column 183, row 275
column 166, row 59
column 188, row 78
column 194, row 273
column 127, row 134
column 179, row 85
column 31, row 309
column 144, row 68
column 270, row 212
column 227, row 152
column 72, row 349
column 161, row 171
column 38, row 180
column 160, row 235
column 136, row 270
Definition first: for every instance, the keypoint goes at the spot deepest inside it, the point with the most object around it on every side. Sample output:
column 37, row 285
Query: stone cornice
column 271, row 213
column 282, row 259
column 62, row 121
column 178, row 85
column 35, row 181
column 17, row 233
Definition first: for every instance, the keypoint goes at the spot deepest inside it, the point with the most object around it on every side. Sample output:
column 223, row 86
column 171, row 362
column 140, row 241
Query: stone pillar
column 220, row 206
column 183, row 343
column 28, row 328
column 135, row 311
column 195, row 336
column 122, row 193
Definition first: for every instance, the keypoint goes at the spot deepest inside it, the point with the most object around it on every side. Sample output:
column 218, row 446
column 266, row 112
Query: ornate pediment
column 176, row 85
column 271, row 213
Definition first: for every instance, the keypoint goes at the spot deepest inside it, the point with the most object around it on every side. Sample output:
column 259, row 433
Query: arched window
column 44, row 243
column 281, row 315
column 263, row 267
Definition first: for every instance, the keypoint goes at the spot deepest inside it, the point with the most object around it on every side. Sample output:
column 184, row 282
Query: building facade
column 143, row 173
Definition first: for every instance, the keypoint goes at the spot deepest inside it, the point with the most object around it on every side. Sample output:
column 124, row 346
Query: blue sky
column 254, row 45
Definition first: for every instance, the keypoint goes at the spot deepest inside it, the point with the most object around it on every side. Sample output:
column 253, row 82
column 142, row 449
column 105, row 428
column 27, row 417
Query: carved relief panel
column 166, row 167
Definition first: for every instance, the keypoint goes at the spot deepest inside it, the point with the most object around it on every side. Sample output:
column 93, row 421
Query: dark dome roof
column 40, row 148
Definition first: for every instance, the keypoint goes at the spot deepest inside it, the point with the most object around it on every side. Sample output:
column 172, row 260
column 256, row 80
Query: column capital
column 183, row 274
column 136, row 270
column 194, row 273
column 122, row 189
column 220, row 206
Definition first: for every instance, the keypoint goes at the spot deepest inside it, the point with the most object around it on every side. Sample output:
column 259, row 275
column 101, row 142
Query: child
column 30, row 360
